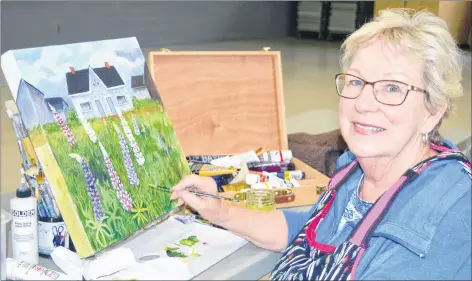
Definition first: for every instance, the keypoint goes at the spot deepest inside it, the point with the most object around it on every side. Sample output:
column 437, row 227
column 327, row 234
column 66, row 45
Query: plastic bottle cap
column 23, row 192
column 291, row 166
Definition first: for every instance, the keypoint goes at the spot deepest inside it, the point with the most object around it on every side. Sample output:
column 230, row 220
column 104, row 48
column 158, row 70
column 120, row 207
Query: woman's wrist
column 223, row 214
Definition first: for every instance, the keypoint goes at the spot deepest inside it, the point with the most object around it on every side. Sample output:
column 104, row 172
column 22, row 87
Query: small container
column 6, row 217
column 260, row 199
column 52, row 233
column 24, row 228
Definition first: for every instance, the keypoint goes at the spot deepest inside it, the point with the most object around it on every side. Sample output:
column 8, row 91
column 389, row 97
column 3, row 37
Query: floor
column 310, row 96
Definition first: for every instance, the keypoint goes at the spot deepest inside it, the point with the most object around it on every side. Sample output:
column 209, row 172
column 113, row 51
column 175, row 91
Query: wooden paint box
column 228, row 102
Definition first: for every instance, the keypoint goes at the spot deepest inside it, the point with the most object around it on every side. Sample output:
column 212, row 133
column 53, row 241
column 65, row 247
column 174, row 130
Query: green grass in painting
column 165, row 165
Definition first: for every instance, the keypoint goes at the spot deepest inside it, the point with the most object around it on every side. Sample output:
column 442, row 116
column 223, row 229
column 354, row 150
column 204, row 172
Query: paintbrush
column 196, row 193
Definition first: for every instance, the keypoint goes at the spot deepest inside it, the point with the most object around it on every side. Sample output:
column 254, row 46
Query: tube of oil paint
column 271, row 167
column 207, row 170
column 287, row 175
column 21, row 270
column 236, row 160
column 235, row 186
column 256, row 177
column 204, row 158
column 222, row 180
column 261, row 185
column 276, row 156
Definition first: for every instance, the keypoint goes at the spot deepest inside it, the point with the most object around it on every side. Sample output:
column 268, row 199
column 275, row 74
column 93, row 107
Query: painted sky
column 45, row 67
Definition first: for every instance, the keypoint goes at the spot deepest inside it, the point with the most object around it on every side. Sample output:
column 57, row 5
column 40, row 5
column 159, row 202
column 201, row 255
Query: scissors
column 57, row 235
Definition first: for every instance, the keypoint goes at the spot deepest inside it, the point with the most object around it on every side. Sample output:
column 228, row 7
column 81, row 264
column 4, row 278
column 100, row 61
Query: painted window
column 121, row 100
column 86, row 106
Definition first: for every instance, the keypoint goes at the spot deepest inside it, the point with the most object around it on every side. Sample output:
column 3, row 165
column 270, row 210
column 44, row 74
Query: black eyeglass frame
column 409, row 87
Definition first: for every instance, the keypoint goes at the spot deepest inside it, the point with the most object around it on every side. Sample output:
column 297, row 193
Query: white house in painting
column 138, row 87
column 98, row 92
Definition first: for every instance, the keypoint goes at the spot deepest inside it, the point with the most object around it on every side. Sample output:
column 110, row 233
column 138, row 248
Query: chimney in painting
column 107, row 65
column 72, row 70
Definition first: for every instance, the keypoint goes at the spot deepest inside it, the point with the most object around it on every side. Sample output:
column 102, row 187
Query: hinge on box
column 165, row 50
column 266, row 49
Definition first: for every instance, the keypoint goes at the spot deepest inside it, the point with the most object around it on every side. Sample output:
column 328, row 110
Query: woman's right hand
column 208, row 208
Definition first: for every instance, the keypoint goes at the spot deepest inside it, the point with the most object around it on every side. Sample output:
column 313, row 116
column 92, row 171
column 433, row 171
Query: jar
column 52, row 233
column 260, row 199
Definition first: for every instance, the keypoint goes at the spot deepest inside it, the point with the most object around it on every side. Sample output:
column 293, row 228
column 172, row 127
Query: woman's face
column 372, row 129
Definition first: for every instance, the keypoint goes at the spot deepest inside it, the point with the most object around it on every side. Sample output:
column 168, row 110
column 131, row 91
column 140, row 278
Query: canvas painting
column 101, row 134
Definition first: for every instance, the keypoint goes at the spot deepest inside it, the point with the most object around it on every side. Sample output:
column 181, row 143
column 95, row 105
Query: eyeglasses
column 388, row 92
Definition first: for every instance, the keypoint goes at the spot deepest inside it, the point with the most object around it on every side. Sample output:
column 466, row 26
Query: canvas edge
column 64, row 201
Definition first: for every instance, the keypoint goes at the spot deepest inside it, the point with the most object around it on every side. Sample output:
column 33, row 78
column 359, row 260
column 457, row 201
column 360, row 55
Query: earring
column 425, row 138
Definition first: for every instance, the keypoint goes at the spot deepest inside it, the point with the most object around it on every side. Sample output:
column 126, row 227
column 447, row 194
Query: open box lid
column 222, row 102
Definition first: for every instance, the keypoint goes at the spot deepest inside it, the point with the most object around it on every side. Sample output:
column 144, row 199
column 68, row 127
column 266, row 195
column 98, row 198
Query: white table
column 248, row 263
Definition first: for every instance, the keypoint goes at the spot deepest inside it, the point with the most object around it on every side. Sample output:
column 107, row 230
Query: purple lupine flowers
column 132, row 175
column 123, row 196
column 92, row 189
column 65, row 129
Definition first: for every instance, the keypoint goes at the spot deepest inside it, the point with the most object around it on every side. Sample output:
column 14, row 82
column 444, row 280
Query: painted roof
column 79, row 81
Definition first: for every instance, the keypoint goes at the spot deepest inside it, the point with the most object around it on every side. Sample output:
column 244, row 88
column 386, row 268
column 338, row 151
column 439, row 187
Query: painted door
column 111, row 106
column 100, row 108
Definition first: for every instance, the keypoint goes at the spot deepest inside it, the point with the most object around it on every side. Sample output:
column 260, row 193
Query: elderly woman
column 399, row 204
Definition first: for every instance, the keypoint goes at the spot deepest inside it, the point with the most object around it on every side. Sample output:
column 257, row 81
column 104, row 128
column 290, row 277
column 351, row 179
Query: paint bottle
column 24, row 225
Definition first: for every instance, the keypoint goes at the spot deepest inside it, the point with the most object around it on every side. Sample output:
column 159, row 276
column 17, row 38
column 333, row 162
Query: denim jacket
column 425, row 234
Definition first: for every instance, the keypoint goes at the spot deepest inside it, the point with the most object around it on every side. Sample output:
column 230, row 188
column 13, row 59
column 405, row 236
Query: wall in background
column 155, row 23
column 457, row 14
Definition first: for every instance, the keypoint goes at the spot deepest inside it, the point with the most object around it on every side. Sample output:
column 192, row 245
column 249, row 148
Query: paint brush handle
column 197, row 193
column 213, row 196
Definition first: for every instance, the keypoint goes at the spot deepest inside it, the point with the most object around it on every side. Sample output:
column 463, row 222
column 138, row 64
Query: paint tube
column 271, row 167
column 259, row 151
column 235, row 186
column 204, row 158
column 287, row 175
column 222, row 180
column 291, row 183
column 256, row 177
column 276, row 156
column 21, row 270
column 207, row 170
column 236, row 160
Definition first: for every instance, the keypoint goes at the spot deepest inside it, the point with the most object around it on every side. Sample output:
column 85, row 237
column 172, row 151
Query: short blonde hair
column 425, row 35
